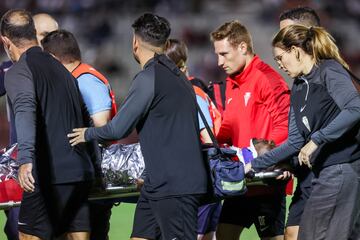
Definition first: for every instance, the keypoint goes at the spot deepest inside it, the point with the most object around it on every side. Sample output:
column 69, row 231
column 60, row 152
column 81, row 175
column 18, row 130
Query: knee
column 291, row 233
column 228, row 232
column 24, row 236
column 78, row 235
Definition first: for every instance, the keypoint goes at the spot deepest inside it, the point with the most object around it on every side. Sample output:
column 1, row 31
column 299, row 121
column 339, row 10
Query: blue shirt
column 204, row 106
column 95, row 93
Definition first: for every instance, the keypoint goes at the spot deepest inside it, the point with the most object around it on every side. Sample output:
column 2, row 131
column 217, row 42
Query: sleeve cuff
column 22, row 162
column 88, row 134
column 256, row 164
column 316, row 138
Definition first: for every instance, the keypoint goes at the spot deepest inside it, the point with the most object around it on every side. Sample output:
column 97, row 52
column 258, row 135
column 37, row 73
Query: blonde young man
column 257, row 105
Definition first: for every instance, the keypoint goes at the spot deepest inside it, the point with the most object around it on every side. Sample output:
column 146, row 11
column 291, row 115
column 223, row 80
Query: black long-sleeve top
column 161, row 106
column 47, row 106
column 325, row 107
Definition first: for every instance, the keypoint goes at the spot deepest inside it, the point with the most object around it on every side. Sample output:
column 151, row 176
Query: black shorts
column 100, row 214
column 168, row 218
column 266, row 212
column 298, row 202
column 55, row 209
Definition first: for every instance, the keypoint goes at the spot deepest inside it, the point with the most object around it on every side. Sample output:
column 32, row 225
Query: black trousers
column 333, row 208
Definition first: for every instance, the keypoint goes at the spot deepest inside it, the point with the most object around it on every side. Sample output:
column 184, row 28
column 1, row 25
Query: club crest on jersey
column 247, row 96
column 306, row 123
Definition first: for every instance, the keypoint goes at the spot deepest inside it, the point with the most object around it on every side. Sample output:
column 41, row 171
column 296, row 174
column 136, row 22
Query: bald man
column 59, row 211
column 44, row 23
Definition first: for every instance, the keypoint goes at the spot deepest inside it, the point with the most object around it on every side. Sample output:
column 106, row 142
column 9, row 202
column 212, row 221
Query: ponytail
column 324, row 46
column 315, row 41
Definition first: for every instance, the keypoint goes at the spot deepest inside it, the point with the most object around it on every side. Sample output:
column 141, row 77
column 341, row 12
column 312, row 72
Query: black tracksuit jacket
column 161, row 106
column 325, row 108
column 47, row 106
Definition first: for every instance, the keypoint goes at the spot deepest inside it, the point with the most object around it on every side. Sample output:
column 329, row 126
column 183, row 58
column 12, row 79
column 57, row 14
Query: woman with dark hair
column 323, row 126
column 177, row 51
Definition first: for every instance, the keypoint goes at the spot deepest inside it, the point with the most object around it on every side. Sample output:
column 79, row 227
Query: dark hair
column 152, row 29
column 270, row 144
column 18, row 26
column 177, row 51
column 314, row 41
column 235, row 32
column 302, row 15
column 63, row 45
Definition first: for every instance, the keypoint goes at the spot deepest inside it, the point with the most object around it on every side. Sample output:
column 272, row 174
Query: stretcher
column 117, row 193
column 121, row 193
column 121, row 166
column 261, row 178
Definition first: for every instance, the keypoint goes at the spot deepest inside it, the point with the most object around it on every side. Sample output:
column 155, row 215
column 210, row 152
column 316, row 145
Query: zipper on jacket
column 307, row 92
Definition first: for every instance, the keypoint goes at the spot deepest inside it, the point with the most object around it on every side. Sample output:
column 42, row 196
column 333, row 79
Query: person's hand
column 139, row 183
column 285, row 176
column 306, row 152
column 248, row 168
column 77, row 136
column 26, row 178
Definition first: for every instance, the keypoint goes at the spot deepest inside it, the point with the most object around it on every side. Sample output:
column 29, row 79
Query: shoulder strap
column 193, row 96
column 84, row 68
column 173, row 68
column 214, row 112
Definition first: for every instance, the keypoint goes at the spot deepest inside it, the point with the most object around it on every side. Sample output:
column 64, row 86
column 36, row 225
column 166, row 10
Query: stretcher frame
column 122, row 192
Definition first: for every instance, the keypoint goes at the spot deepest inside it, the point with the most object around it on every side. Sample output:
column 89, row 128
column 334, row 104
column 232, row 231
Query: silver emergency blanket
column 8, row 165
column 122, row 164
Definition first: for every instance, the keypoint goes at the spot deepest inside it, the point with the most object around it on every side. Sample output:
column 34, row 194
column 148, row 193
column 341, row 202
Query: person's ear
column 6, row 41
column 297, row 53
column 135, row 43
column 134, row 40
column 167, row 45
column 243, row 48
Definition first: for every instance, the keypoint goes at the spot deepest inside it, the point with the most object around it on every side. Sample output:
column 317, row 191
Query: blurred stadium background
column 103, row 29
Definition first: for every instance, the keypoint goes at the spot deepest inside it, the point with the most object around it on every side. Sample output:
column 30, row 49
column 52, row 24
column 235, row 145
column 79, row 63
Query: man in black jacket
column 44, row 24
column 46, row 103
column 161, row 106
